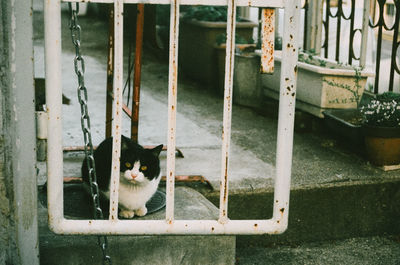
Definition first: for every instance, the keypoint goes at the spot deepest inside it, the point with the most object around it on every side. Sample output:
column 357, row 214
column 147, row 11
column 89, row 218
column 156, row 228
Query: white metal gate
column 277, row 224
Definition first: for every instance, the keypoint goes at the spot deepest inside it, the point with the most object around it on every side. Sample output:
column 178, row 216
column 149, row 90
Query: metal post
column 137, row 73
column 172, row 96
column 287, row 100
column 364, row 32
column 117, row 109
column 110, row 71
column 226, row 129
column 52, row 15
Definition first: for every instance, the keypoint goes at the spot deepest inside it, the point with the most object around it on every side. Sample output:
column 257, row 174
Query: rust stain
column 267, row 46
column 255, row 225
column 226, row 179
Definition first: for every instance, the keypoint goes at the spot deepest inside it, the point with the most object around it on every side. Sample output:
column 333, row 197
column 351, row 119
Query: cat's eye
column 143, row 168
column 128, row 165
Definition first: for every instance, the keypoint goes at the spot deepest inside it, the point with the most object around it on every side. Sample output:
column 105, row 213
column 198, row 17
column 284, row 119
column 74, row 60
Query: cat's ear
column 124, row 143
column 157, row 150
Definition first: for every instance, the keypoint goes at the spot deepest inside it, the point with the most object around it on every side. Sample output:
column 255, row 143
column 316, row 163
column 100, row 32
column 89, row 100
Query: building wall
column 18, row 191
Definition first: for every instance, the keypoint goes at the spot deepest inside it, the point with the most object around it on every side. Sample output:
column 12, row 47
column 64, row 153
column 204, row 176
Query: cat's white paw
column 126, row 214
column 141, row 211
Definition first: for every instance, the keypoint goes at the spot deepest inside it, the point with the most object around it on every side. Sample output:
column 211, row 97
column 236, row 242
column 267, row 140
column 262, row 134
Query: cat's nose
column 133, row 176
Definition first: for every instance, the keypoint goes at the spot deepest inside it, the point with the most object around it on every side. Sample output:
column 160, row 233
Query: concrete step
column 189, row 204
column 362, row 205
column 383, row 250
column 323, row 212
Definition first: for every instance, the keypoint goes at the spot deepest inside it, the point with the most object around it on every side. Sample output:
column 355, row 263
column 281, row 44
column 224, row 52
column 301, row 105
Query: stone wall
column 18, row 203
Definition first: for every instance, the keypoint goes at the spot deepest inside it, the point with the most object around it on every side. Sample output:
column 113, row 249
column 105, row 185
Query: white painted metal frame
column 277, row 224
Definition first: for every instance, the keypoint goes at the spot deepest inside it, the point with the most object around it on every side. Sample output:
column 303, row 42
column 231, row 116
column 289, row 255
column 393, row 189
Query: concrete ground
column 336, row 193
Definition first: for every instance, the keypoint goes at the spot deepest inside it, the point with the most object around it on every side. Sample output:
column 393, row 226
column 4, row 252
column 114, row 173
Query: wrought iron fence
column 375, row 16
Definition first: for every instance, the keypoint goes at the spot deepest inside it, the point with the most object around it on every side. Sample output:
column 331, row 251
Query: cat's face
column 141, row 166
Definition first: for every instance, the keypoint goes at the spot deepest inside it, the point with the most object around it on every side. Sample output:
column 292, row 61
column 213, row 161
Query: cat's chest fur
column 132, row 197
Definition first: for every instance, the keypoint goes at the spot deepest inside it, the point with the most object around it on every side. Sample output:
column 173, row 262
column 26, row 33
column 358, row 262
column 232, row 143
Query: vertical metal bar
column 287, row 102
column 364, row 32
column 307, row 24
column 110, row 71
column 226, row 130
column 318, row 29
column 327, row 14
column 379, row 46
column 394, row 45
column 338, row 28
column 137, row 72
column 52, row 15
column 268, row 37
column 172, row 96
column 352, row 32
column 117, row 109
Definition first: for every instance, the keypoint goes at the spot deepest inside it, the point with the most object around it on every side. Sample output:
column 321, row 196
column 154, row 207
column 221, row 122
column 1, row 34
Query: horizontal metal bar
column 161, row 227
column 254, row 3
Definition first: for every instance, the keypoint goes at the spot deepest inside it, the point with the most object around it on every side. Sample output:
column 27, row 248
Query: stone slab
column 83, row 249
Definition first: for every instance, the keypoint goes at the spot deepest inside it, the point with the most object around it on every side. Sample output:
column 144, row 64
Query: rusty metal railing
column 223, row 225
column 380, row 24
column 374, row 16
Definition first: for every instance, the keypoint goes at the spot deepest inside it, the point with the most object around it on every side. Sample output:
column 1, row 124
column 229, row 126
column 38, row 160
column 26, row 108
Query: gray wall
column 18, row 191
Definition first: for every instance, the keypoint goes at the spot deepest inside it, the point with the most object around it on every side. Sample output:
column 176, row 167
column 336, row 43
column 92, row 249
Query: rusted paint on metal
column 268, row 37
column 172, row 108
column 110, row 72
column 225, row 226
column 229, row 65
column 137, row 73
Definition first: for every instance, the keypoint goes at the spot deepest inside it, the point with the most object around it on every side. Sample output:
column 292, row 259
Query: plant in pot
column 322, row 84
column 381, row 128
column 246, row 77
column 199, row 28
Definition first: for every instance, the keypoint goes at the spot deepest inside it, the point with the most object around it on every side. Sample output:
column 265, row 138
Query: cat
column 139, row 174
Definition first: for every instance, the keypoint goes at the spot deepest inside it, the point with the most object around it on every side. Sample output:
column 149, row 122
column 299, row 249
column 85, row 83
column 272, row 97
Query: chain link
column 79, row 65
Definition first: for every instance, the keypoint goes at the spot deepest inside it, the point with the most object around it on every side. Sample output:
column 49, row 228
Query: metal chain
column 79, row 65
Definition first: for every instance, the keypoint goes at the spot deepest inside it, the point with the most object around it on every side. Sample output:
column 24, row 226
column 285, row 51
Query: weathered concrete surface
column 383, row 250
column 336, row 193
column 144, row 249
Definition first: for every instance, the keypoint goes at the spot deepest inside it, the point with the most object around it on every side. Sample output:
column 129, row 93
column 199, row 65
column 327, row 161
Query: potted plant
column 246, row 78
column 199, row 28
column 321, row 83
column 381, row 128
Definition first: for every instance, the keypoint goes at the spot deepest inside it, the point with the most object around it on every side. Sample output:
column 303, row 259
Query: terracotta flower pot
column 382, row 145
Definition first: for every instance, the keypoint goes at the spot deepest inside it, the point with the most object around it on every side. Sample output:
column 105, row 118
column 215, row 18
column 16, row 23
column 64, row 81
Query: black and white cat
column 139, row 174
